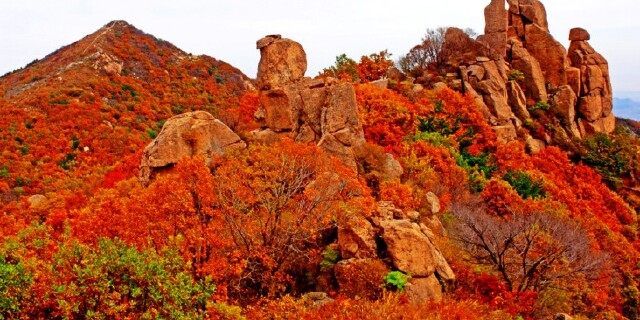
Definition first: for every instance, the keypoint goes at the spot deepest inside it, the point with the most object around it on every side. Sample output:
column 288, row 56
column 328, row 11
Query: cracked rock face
column 318, row 111
column 185, row 135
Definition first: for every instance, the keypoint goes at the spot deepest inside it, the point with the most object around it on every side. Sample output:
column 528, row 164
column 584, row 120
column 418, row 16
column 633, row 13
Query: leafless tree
column 428, row 52
column 530, row 250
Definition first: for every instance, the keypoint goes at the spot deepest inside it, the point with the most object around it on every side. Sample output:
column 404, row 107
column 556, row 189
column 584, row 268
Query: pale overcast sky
column 227, row 30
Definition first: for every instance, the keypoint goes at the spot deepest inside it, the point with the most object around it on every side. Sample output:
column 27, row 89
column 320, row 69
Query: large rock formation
column 495, row 29
column 399, row 240
column 321, row 111
column 517, row 64
column 592, row 84
column 185, row 135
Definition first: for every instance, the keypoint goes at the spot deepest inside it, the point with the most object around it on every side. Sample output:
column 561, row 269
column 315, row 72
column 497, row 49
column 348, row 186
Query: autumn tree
column 425, row 53
column 529, row 250
column 276, row 202
column 428, row 53
column 375, row 66
column 343, row 68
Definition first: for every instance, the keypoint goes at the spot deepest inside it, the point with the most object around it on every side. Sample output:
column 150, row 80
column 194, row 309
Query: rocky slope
column 517, row 66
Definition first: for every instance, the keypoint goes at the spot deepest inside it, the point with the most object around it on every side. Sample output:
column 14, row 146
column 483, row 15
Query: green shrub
column 14, row 280
column 611, row 156
column 540, row 105
column 397, row 280
column 330, row 258
column 525, row 185
column 152, row 133
column 75, row 143
column 516, row 75
column 126, row 87
column 4, row 172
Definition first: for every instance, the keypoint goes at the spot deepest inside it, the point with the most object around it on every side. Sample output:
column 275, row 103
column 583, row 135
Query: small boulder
column 391, row 168
column 356, row 237
column 37, row 201
column 316, row 299
column 186, row 135
column 434, row 202
column 409, row 248
column 579, row 34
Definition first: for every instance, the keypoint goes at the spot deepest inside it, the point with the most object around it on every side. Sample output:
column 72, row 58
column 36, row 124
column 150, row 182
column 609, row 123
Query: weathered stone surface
column 517, row 100
column 322, row 111
column 495, row 30
column 396, row 75
column 530, row 67
column 562, row 316
column 590, row 107
column 606, row 125
column 534, row 11
column 342, row 111
column 551, row 55
column 410, row 250
column 458, row 47
column 534, row 145
column 334, row 147
column 356, row 237
column 579, row 34
column 382, row 83
column 563, row 103
column 476, row 71
column 505, row 133
column 434, row 202
column 37, row 201
column 420, row 290
column 267, row 40
column 495, row 97
column 574, row 80
column 316, row 299
column 479, row 101
column 185, row 135
column 595, row 101
column 391, row 168
column 278, row 106
column 282, row 62
column 581, row 53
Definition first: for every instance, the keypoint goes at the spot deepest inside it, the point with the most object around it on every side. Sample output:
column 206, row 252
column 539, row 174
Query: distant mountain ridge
column 626, row 108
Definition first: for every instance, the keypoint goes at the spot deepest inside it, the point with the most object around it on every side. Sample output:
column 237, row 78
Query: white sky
column 227, row 30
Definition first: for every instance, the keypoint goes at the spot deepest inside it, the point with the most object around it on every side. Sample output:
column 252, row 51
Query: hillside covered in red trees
column 475, row 178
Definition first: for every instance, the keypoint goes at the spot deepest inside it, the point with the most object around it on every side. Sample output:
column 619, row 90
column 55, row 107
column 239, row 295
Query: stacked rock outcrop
column 591, row 83
column 575, row 83
column 394, row 239
column 305, row 110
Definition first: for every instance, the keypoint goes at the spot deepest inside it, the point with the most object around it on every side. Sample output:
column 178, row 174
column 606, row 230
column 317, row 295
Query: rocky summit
column 575, row 83
column 323, row 111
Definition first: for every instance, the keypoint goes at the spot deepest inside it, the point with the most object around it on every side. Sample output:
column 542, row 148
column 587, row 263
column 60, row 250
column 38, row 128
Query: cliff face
column 521, row 67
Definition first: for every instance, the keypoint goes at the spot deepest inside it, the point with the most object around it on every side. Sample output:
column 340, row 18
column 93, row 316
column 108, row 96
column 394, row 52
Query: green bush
column 516, row 75
column 611, row 156
column 4, row 172
column 540, row 105
column 152, row 133
column 525, row 185
column 330, row 258
column 397, row 280
column 13, row 281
